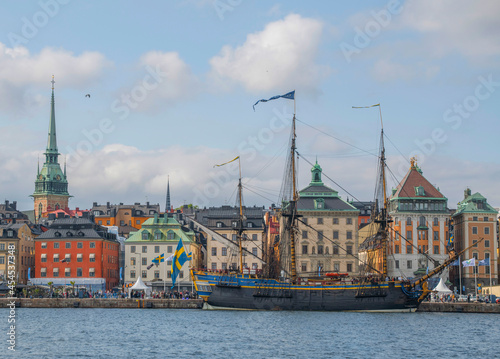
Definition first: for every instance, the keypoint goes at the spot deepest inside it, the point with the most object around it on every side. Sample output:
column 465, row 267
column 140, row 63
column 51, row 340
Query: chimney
column 6, row 205
column 107, row 204
column 14, row 205
column 147, row 204
column 94, row 204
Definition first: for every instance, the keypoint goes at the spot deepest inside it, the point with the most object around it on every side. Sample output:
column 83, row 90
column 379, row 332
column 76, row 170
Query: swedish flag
column 159, row 259
column 450, row 241
column 180, row 257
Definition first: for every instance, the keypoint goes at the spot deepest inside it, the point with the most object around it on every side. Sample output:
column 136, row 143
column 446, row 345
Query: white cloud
column 282, row 56
column 23, row 73
column 165, row 79
column 469, row 28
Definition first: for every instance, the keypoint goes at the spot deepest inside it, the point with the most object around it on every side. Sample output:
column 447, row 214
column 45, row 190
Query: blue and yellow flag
column 180, row 257
column 159, row 259
column 450, row 241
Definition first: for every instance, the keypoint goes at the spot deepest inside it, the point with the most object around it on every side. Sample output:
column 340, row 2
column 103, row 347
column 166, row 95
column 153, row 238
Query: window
column 55, row 272
column 157, row 249
column 320, row 235
column 2, row 246
column 409, row 249
column 304, row 219
column 304, row 249
column 408, row 221
column 475, row 243
column 486, row 243
column 327, row 251
column 335, row 221
column 92, row 245
column 44, row 258
column 234, row 237
column 79, row 272
column 144, row 261
column 181, row 274
column 157, row 235
column 214, row 251
column 335, row 249
column 132, row 274
column 79, row 245
column 249, row 224
column 320, row 249
column 396, row 249
column 254, row 237
column 137, row 221
column 349, row 249
column 348, row 221
column 234, row 224
column 79, row 257
column 335, row 234
column 144, row 249
column 92, row 257
column 336, row 267
column 44, row 245
column 56, row 245
column 67, row 272
column 68, row 245
column 436, row 236
column 254, row 251
column 169, row 249
column 214, row 266
column 320, row 220
column 436, row 221
column 349, row 267
column 144, row 274
column 224, row 251
column 486, row 219
column 436, row 249
column 219, row 224
column 132, row 261
column 303, row 267
column 396, row 264
column 145, row 235
column 486, row 230
column 132, row 249
column 224, row 266
column 304, row 234
column 43, row 272
column 422, row 221
column 92, row 272
column 408, row 264
column 11, row 234
column 408, row 234
column 157, row 274
column 474, row 218
column 474, row 230
column 348, row 235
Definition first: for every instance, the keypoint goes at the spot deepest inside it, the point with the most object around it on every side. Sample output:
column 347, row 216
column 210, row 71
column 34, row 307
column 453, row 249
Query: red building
column 76, row 250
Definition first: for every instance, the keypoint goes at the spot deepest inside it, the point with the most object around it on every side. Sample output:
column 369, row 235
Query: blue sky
column 172, row 86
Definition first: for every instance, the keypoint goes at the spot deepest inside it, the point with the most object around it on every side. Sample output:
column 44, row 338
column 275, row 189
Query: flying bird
column 87, row 95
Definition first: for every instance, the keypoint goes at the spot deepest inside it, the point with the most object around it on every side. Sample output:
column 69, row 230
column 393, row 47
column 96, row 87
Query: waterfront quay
column 118, row 303
column 459, row 307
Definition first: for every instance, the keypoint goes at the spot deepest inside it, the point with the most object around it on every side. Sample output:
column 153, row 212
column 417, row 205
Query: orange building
column 128, row 218
column 76, row 250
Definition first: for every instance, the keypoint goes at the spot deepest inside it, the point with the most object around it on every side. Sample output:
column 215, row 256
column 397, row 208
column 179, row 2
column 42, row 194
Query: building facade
column 225, row 222
column 328, row 236
column 128, row 218
column 474, row 220
column 51, row 185
column 76, row 250
column 420, row 226
column 17, row 248
column 10, row 214
column 160, row 235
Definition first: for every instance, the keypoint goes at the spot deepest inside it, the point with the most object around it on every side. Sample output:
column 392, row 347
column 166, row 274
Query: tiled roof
column 413, row 179
column 331, row 204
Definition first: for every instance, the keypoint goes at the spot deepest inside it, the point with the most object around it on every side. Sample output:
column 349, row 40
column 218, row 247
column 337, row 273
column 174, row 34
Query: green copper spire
column 316, row 175
column 51, row 153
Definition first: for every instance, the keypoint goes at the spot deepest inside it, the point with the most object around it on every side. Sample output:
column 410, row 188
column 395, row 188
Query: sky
column 172, row 85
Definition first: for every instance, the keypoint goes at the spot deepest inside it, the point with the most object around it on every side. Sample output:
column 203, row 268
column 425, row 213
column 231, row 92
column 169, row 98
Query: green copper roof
column 51, row 179
column 473, row 203
column 161, row 229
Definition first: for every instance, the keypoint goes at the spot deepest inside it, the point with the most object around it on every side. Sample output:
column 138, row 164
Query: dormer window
column 249, row 224
column 319, row 203
column 235, row 224
column 419, row 191
column 218, row 224
column 158, row 234
column 171, row 235
column 145, row 236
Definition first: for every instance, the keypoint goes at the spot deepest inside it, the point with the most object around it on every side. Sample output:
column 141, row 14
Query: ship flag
column 234, row 159
column 180, row 257
column 469, row 262
column 456, row 262
column 290, row 96
column 484, row 262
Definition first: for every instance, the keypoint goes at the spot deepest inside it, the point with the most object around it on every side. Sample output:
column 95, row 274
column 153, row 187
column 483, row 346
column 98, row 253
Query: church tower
column 51, row 185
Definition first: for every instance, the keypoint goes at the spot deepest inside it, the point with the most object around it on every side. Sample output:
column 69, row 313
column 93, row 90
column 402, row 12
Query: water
column 171, row 333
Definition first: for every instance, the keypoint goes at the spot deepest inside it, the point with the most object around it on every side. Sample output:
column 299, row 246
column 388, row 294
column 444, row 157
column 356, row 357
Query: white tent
column 441, row 288
column 139, row 285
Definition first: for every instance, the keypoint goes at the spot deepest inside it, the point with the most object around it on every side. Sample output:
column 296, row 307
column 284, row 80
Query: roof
column 75, row 228
column 330, row 204
column 474, row 203
column 113, row 209
column 407, row 188
column 164, row 226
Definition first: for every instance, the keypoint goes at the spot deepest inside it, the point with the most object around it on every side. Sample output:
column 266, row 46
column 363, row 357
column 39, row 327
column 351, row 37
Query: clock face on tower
column 40, row 177
column 58, row 177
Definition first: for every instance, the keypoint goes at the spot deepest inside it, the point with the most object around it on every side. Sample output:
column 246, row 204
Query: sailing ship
column 280, row 288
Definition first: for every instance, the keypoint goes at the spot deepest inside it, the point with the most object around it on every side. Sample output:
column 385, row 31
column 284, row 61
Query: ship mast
column 240, row 229
column 294, row 201
column 384, row 189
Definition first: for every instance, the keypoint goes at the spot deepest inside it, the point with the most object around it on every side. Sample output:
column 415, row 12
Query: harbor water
column 177, row 333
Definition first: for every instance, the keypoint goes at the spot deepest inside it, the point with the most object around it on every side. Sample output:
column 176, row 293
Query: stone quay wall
column 102, row 303
column 459, row 307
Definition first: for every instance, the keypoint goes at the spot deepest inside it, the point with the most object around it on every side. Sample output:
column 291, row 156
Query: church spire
column 51, row 153
column 167, row 205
